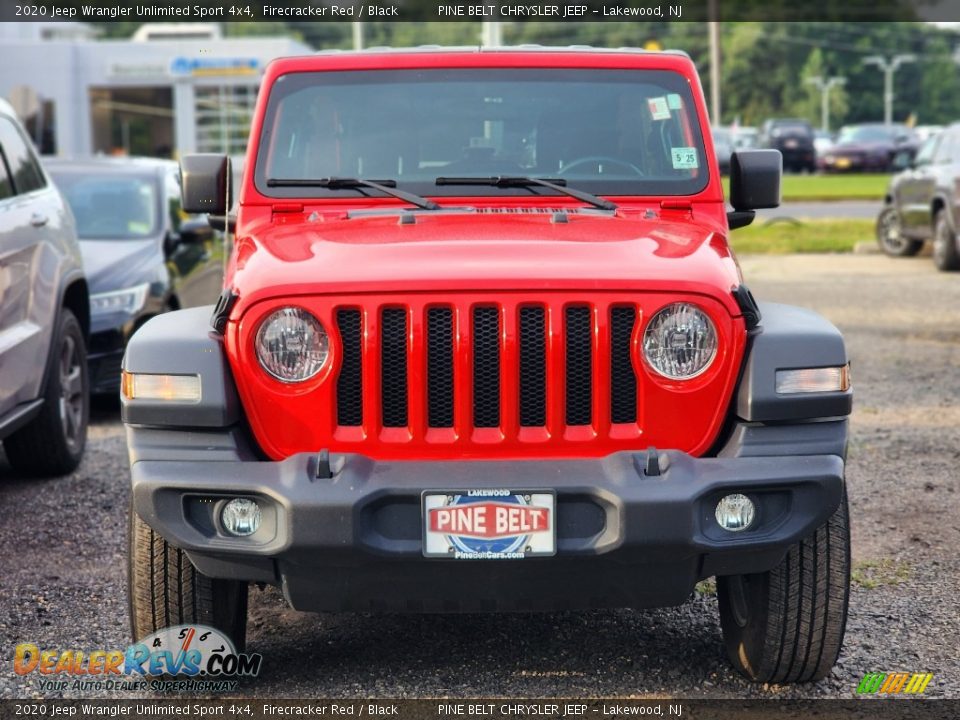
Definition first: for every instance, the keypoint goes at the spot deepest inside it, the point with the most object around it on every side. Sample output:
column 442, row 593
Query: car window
column 111, row 206
column 926, row 151
column 6, row 187
column 946, row 149
column 866, row 133
column 174, row 209
column 792, row 129
column 20, row 160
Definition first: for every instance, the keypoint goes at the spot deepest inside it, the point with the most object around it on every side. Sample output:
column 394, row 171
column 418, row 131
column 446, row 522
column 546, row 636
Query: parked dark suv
column 794, row 139
column 919, row 204
column 44, row 315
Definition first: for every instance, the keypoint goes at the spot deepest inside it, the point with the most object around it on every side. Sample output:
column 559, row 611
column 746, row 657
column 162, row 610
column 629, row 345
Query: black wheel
column 890, row 235
column 53, row 442
column 787, row 625
column 946, row 255
column 165, row 589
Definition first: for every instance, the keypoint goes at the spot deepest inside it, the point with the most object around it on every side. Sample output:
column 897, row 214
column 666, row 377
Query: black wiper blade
column 387, row 187
column 508, row 181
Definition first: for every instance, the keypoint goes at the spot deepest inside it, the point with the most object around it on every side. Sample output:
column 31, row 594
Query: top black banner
column 479, row 10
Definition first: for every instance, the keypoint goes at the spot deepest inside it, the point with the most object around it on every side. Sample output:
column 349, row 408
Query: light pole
column 714, row 33
column 888, row 68
column 825, row 86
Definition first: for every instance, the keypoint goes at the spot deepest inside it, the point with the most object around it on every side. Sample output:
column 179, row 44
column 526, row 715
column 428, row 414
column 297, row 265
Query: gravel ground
column 62, row 546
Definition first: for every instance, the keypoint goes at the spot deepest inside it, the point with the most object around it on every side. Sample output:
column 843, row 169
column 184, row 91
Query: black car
column 870, row 147
column 142, row 255
column 794, row 139
column 919, row 203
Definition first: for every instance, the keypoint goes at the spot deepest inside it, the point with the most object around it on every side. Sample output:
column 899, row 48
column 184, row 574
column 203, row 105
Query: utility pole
column 888, row 68
column 357, row 35
column 714, row 26
column 825, row 86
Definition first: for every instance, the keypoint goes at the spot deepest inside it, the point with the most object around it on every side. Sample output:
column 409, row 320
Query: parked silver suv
column 44, row 315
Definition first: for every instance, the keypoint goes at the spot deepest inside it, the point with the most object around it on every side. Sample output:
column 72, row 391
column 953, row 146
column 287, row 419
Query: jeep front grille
column 496, row 367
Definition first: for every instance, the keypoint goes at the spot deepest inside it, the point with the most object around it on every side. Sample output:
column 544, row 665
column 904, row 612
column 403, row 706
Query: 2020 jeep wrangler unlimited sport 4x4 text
column 483, row 346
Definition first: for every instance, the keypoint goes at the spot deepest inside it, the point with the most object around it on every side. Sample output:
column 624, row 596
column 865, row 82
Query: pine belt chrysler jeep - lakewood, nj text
column 483, row 346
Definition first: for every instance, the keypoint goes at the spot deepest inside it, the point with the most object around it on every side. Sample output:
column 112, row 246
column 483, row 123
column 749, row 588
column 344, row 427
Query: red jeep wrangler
column 483, row 346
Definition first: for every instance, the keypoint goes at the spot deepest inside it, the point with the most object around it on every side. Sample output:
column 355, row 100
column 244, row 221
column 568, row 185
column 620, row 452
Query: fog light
column 735, row 512
column 241, row 517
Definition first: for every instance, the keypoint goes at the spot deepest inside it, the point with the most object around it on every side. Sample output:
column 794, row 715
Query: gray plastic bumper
column 353, row 540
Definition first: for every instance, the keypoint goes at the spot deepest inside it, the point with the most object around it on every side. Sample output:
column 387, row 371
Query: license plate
column 489, row 524
column 843, row 162
column 791, row 144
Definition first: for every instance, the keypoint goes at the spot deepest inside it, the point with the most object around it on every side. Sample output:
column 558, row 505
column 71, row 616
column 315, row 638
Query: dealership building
column 169, row 90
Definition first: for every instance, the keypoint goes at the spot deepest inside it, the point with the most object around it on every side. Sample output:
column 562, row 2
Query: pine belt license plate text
column 489, row 524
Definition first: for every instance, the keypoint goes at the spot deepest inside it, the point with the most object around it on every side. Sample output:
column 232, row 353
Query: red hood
column 483, row 251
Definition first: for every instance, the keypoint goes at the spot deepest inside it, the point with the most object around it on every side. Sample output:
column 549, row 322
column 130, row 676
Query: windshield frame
column 672, row 81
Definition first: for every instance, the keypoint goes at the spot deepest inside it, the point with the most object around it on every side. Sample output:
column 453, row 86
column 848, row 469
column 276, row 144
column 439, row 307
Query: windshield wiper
column 507, row 181
column 387, row 187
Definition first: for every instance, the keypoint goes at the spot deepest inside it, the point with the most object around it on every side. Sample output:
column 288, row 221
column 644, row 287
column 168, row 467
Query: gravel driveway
column 62, row 546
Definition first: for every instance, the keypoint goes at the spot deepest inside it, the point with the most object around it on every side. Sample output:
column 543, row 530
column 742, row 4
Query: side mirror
column 754, row 184
column 195, row 231
column 206, row 183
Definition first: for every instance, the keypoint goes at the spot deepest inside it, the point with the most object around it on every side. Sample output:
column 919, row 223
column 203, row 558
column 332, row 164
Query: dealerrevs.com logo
column 179, row 658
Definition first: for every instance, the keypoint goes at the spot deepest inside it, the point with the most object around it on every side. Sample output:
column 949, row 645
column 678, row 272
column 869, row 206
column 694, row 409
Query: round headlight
column 680, row 341
column 292, row 345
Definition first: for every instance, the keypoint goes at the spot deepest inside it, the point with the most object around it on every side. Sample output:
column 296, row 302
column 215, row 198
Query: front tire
column 946, row 255
column 165, row 589
column 786, row 625
column 53, row 442
column 890, row 235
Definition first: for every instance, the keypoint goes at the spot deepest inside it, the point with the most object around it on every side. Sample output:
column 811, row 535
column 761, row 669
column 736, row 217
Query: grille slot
column 393, row 367
column 486, row 367
column 623, row 379
column 533, row 367
column 440, row 367
column 579, row 373
column 350, row 381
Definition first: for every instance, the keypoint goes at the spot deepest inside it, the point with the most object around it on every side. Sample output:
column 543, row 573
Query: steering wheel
column 599, row 160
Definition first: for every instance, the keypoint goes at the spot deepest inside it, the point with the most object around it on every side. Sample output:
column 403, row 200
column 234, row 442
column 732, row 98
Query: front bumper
column 353, row 541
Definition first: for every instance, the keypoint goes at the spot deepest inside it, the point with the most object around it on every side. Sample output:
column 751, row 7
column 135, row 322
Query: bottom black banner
column 489, row 709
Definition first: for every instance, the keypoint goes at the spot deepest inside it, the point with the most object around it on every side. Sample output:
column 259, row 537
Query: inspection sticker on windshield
column 674, row 102
column 684, row 158
column 658, row 108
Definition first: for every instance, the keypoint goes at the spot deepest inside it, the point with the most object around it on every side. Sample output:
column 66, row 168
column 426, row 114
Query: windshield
column 112, row 206
column 602, row 131
column 867, row 133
